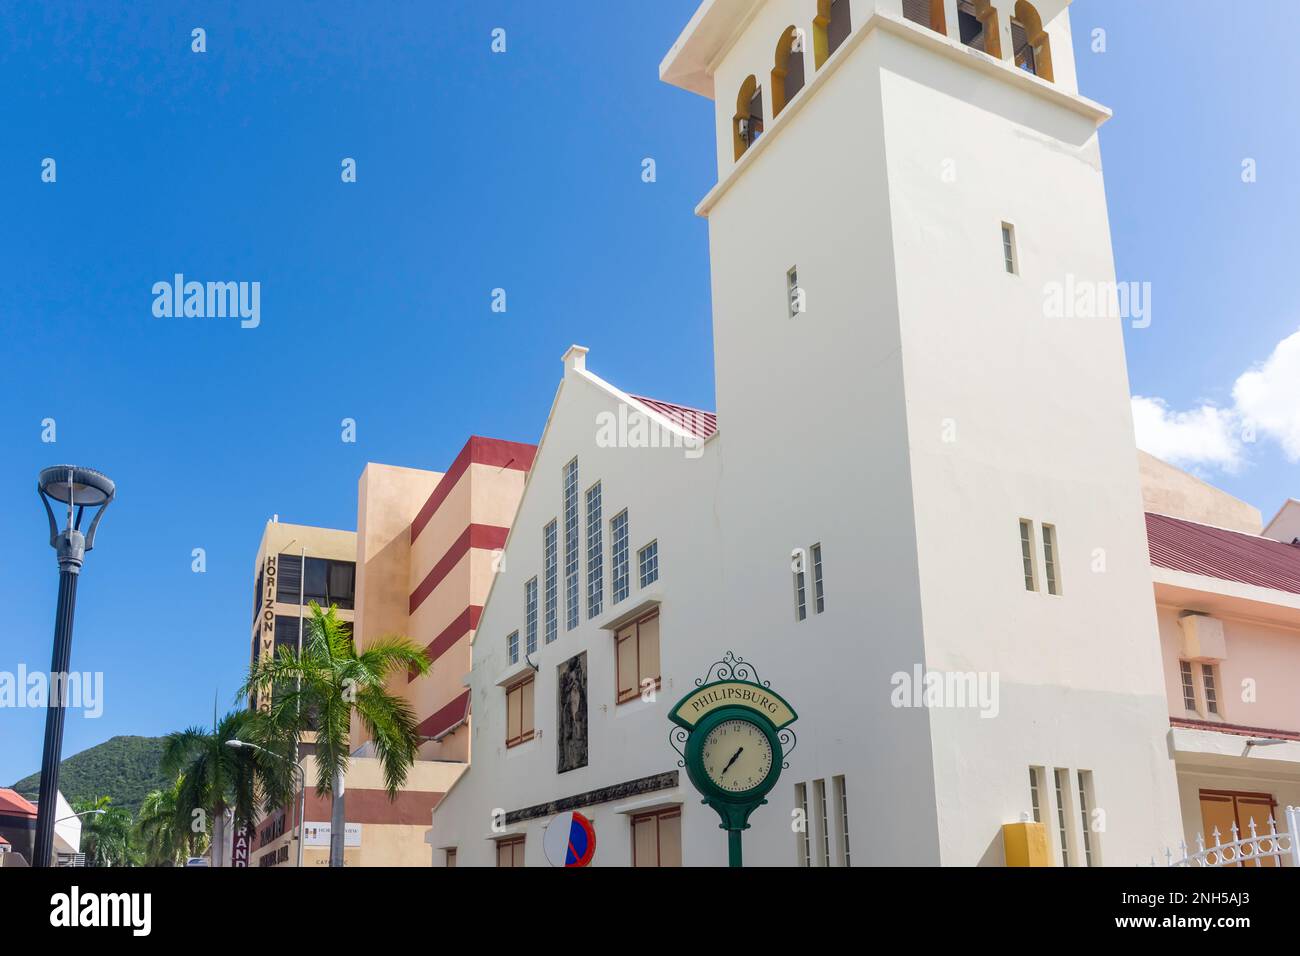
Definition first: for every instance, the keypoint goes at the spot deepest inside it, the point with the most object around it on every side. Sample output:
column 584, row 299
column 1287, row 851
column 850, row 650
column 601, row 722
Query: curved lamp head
column 79, row 486
column 79, row 489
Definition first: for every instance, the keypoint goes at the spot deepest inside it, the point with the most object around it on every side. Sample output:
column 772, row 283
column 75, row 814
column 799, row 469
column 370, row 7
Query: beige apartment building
column 419, row 565
column 298, row 564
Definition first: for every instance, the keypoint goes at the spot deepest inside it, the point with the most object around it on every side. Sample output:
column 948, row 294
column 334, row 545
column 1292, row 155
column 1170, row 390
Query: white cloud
column 1266, row 404
column 1268, row 397
column 1202, row 436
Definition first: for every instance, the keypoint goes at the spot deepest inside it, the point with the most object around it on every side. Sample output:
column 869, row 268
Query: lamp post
column 83, row 813
column 79, row 489
column 302, row 786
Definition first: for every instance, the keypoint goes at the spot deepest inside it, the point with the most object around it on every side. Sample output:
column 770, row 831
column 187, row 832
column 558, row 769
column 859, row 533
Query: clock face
column 736, row 755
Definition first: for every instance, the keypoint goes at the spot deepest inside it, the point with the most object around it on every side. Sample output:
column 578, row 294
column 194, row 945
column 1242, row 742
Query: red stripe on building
column 477, row 451
column 485, row 537
column 465, row 622
column 446, row 717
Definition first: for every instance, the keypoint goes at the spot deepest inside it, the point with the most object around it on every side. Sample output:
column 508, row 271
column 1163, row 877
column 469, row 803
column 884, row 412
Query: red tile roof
column 1218, row 553
column 699, row 423
column 4, row 842
column 1236, row 729
column 12, row 802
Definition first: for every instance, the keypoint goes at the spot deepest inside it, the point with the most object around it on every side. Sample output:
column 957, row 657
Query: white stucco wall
column 671, row 497
column 836, row 431
column 913, row 326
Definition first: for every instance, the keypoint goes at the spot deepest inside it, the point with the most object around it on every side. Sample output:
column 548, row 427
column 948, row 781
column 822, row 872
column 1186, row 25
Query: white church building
column 917, row 473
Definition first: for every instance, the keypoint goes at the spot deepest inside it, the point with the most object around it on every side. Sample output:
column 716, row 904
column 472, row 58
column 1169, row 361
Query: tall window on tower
column 831, row 27
column 748, row 123
column 1050, row 561
column 1027, row 554
column 788, row 73
column 1009, row 258
column 928, row 13
column 1033, row 47
column 977, row 23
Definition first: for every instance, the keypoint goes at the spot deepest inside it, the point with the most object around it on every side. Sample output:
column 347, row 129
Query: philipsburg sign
column 735, row 736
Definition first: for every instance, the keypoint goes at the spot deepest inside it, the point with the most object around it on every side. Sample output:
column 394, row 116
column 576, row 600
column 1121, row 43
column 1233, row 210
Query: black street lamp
column 79, row 489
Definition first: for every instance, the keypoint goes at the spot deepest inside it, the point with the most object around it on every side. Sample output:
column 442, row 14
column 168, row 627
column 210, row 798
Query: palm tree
column 163, row 838
column 214, row 778
column 106, row 836
column 324, row 687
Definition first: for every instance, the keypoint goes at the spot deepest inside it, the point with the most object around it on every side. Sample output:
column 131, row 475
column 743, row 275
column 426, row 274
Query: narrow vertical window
column 1035, row 795
column 794, row 294
column 819, row 590
column 1027, row 554
column 842, row 818
column 977, row 22
column 804, row 844
column 512, row 647
column 1026, row 59
column 1062, row 827
column 530, row 616
column 1049, row 559
column 788, row 70
column 571, row 559
column 841, row 24
column 1009, row 248
column 748, row 122
column 1189, row 686
column 1033, row 47
column 550, row 570
column 648, row 561
column 928, row 13
column 595, row 553
column 823, row 819
column 1085, row 780
column 800, row 585
column 1211, row 691
column 621, row 557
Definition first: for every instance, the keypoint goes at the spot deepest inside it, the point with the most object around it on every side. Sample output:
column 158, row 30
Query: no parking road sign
column 569, row 840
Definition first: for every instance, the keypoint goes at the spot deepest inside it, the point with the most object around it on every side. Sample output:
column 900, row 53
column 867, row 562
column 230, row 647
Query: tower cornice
column 945, row 46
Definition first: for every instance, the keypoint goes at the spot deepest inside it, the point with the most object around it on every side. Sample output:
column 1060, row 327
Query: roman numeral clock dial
column 737, row 756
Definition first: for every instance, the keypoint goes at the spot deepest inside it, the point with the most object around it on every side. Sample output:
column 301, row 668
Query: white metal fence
column 1273, row 848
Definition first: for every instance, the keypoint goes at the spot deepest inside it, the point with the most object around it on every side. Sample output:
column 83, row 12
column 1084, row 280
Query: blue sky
column 475, row 171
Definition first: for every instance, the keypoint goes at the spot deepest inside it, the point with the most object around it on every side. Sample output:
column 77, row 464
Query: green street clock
column 736, row 732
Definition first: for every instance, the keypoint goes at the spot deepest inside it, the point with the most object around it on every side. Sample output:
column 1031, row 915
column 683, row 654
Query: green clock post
column 736, row 735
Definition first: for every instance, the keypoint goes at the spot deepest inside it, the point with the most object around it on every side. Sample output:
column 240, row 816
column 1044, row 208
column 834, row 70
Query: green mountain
column 124, row 768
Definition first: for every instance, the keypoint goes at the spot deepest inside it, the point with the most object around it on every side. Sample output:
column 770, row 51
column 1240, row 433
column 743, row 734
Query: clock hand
column 731, row 761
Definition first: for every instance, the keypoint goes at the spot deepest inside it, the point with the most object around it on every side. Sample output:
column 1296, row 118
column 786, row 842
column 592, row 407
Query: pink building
column 1228, row 608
